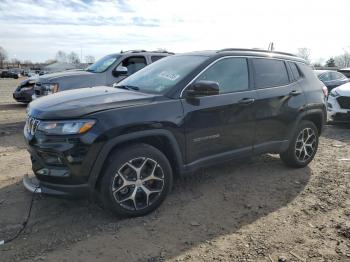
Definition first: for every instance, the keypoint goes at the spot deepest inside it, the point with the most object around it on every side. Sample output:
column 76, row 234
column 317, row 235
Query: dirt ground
column 254, row 210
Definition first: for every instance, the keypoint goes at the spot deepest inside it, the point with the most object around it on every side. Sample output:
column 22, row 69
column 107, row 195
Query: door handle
column 246, row 101
column 295, row 93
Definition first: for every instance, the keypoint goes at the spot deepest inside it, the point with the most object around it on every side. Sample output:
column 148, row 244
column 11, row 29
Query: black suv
column 125, row 144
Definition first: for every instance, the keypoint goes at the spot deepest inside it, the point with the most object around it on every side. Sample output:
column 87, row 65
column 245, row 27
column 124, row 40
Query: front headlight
column 334, row 93
column 50, row 88
column 66, row 127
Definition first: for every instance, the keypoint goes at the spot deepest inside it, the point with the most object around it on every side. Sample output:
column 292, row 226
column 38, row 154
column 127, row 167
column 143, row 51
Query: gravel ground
column 254, row 210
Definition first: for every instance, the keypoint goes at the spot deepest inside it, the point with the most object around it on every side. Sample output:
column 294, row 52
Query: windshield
column 102, row 64
column 163, row 74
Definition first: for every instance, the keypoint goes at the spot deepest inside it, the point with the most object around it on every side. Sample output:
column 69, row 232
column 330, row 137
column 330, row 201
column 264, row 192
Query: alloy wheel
column 138, row 183
column 305, row 145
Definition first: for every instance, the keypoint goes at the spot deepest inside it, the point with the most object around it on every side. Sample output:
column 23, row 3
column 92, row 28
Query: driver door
column 132, row 63
column 221, row 126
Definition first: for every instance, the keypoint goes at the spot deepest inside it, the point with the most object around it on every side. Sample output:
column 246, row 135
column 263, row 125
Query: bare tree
column 304, row 53
column 73, row 58
column 3, row 56
column 343, row 60
column 15, row 62
column 50, row 61
column 61, row 57
column 89, row 59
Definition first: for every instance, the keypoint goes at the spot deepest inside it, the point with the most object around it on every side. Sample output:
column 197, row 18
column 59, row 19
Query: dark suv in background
column 177, row 115
column 106, row 71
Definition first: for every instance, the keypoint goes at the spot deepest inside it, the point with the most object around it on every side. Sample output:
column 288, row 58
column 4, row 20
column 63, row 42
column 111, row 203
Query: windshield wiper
column 127, row 87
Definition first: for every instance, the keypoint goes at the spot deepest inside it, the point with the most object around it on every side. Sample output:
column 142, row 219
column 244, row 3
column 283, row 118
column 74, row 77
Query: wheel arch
column 163, row 140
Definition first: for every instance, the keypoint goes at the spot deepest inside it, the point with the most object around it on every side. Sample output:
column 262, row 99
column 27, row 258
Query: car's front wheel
column 136, row 181
column 303, row 146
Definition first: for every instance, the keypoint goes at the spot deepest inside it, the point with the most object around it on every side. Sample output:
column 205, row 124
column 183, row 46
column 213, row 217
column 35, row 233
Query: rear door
column 279, row 102
column 221, row 125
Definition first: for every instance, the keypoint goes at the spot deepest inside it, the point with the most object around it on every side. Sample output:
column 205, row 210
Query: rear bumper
column 33, row 185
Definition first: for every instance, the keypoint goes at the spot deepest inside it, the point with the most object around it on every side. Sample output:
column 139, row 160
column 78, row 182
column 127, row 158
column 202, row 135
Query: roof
column 249, row 52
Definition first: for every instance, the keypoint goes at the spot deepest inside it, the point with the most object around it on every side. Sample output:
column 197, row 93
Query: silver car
column 106, row 71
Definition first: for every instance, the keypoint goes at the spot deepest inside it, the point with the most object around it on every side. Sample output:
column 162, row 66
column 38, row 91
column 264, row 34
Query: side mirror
column 203, row 88
column 120, row 71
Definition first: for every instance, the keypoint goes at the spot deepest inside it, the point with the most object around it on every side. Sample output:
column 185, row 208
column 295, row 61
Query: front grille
column 344, row 102
column 32, row 125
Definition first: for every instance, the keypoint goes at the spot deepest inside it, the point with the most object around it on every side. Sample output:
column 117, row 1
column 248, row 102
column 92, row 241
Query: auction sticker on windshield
column 168, row 75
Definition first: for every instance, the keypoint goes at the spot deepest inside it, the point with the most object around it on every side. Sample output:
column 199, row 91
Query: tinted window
column 134, row 64
column 156, row 58
column 295, row 71
column 270, row 73
column 230, row 73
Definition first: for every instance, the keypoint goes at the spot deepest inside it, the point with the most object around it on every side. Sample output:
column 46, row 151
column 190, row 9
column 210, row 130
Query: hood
column 79, row 102
column 343, row 90
column 73, row 79
column 51, row 77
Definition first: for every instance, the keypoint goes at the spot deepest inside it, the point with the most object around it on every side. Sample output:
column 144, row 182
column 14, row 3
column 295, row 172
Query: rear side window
column 156, row 58
column 295, row 71
column 230, row 73
column 270, row 73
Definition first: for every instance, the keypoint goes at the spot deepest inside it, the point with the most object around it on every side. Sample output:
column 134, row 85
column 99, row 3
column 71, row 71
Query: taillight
column 325, row 91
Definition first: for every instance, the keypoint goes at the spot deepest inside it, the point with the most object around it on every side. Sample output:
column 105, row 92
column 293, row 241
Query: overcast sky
column 37, row 29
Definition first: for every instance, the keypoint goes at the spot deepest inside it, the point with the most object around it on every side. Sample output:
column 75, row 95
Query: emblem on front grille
column 32, row 125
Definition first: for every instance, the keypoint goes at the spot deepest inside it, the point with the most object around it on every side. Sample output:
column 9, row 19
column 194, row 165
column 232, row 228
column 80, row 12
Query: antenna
column 271, row 47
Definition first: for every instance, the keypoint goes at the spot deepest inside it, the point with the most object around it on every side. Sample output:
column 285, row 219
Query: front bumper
column 336, row 113
column 32, row 184
column 61, row 164
column 23, row 96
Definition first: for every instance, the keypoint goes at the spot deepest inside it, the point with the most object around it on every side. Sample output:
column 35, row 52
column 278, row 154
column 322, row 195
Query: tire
column 136, row 181
column 303, row 146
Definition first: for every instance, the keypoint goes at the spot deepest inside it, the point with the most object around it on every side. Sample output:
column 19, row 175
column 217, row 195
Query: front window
column 102, row 64
column 230, row 73
column 163, row 75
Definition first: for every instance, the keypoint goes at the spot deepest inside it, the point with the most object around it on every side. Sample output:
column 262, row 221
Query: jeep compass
column 126, row 143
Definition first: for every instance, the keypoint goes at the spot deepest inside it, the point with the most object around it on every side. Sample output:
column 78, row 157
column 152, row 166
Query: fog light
column 42, row 172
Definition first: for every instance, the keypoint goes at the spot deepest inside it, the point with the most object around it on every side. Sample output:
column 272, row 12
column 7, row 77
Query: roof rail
column 145, row 51
column 254, row 50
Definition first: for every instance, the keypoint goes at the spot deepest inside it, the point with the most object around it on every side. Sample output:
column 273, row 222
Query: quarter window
column 270, row 73
column 156, row 58
column 230, row 73
column 295, row 71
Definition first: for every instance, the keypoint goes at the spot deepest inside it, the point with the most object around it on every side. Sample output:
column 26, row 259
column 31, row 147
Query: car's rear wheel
column 136, row 181
column 303, row 146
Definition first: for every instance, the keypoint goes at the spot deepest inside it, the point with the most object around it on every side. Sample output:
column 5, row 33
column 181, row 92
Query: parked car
column 106, row 71
column 25, row 90
column 339, row 104
column 184, row 112
column 345, row 71
column 331, row 79
column 8, row 74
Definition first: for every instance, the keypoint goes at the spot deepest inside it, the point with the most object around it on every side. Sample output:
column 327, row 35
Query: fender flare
column 97, row 167
column 304, row 115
